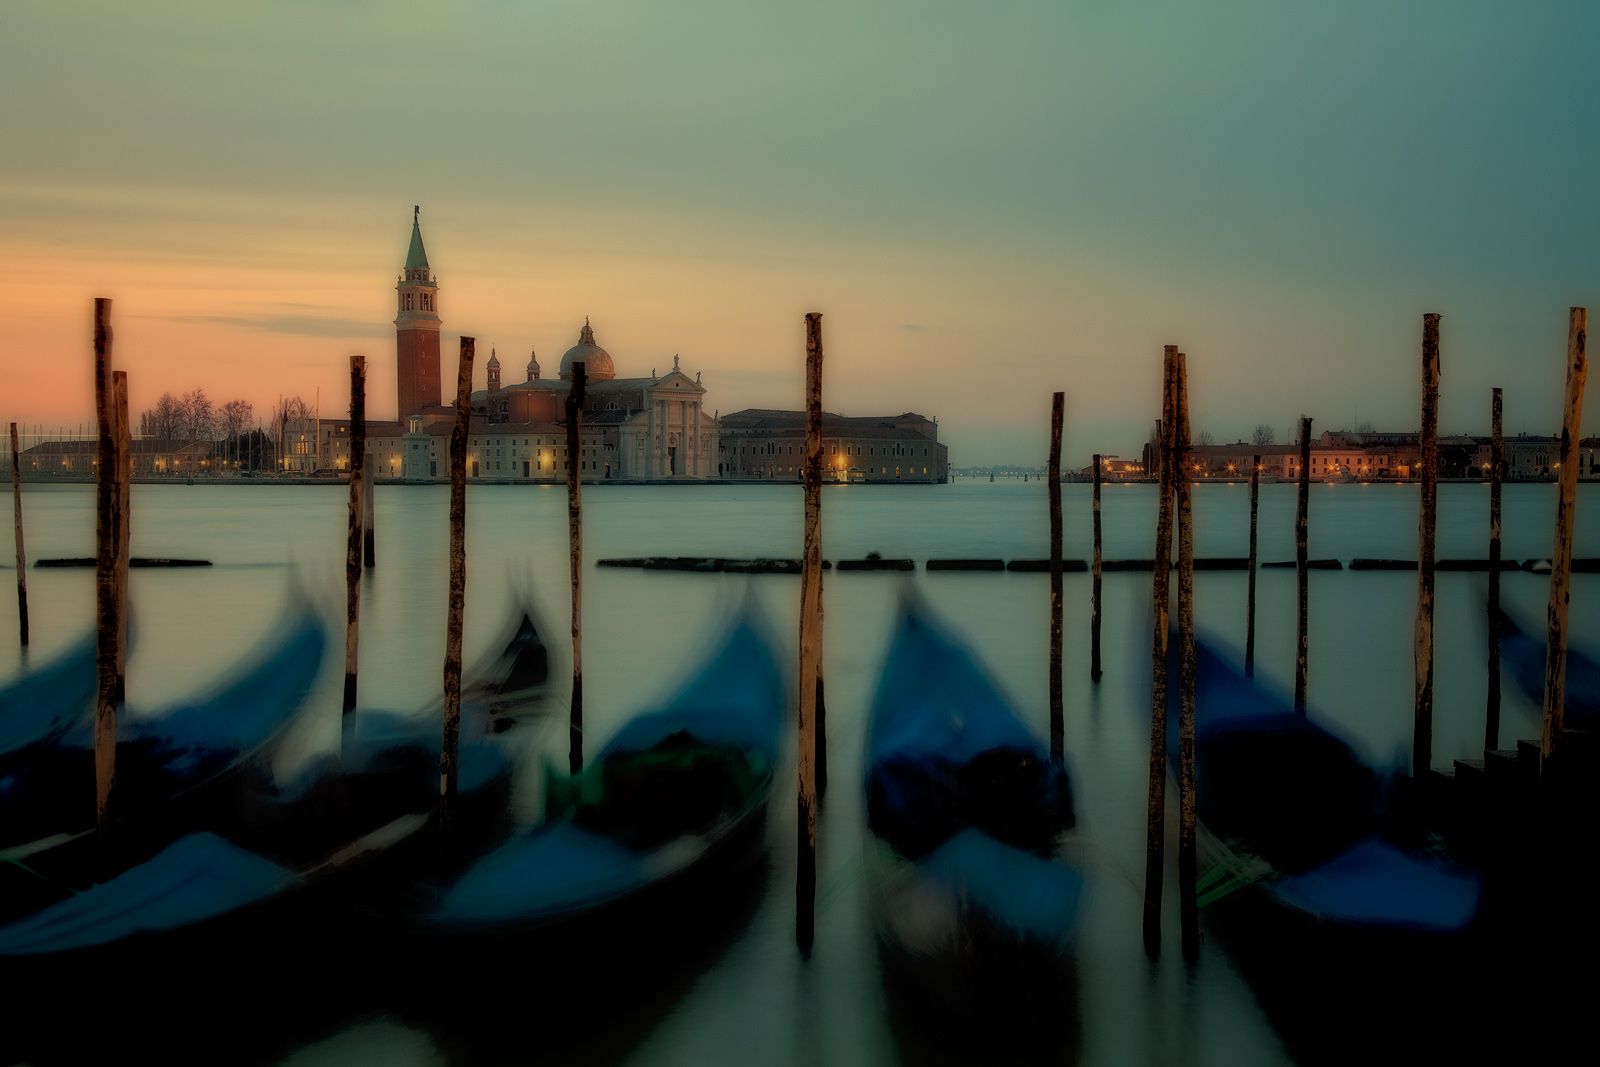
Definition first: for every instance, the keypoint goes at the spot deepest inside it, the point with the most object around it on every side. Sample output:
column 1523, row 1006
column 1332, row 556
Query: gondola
column 1289, row 808
column 47, row 786
column 272, row 855
column 647, row 836
column 1318, row 875
column 974, row 887
column 1523, row 654
column 44, row 703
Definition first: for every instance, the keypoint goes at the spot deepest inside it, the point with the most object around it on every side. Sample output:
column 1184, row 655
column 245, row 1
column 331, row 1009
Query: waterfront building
column 761, row 444
column 646, row 428
column 1115, row 469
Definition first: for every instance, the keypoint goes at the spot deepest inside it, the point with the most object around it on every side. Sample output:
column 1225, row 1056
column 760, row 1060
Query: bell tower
column 417, row 328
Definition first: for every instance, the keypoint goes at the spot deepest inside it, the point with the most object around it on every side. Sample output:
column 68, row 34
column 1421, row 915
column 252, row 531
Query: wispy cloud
column 302, row 325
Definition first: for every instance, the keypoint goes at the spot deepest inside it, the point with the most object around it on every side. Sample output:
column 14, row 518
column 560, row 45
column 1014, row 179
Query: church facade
column 633, row 428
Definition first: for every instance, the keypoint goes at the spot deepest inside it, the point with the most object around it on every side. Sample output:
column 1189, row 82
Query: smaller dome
column 533, row 366
column 494, row 360
column 596, row 360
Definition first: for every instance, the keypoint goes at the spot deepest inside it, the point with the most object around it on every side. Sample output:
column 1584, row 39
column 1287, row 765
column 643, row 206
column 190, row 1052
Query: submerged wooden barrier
column 871, row 564
column 970, row 565
column 1039, row 566
column 1360, row 564
column 708, row 564
column 136, row 561
column 1311, row 564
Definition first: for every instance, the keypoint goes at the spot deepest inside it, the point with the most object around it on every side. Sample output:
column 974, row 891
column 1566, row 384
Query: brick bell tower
column 417, row 329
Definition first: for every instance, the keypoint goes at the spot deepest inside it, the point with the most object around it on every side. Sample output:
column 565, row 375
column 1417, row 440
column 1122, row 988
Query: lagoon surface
column 756, row 1000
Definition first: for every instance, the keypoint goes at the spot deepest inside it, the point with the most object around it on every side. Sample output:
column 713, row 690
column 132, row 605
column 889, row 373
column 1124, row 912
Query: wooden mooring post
column 111, row 567
column 810, row 645
column 458, row 588
column 22, row 554
column 119, row 400
column 1555, row 660
column 1427, row 523
column 1155, row 814
column 1053, row 465
column 1301, row 543
column 358, row 503
column 1491, row 726
column 1188, row 860
column 1094, row 589
column 369, row 512
column 1250, row 580
column 575, row 398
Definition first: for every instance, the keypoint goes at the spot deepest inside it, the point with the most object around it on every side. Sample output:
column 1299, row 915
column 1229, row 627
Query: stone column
column 650, row 441
column 699, row 462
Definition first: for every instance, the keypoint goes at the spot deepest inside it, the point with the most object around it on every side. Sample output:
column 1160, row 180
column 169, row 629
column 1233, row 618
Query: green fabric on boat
column 680, row 785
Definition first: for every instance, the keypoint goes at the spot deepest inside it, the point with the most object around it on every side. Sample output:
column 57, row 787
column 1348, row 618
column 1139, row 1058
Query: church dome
column 596, row 360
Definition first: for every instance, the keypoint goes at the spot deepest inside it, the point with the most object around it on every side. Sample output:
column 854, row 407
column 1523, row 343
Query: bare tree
column 1206, row 437
column 1264, row 435
column 164, row 421
column 235, row 417
column 199, row 416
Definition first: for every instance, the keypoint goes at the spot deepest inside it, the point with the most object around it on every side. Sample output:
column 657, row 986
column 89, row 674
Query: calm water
column 644, row 630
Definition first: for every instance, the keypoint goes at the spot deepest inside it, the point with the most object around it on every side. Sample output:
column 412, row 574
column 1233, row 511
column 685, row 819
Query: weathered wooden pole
column 119, row 401
column 822, row 707
column 1155, row 822
column 1094, row 589
column 1301, row 543
column 1555, row 660
column 108, row 582
column 1188, row 862
column 369, row 512
column 1422, row 722
column 1491, row 727
column 1250, row 579
column 358, row 502
column 575, row 397
column 1057, row 723
column 458, row 587
column 22, row 555
column 810, row 644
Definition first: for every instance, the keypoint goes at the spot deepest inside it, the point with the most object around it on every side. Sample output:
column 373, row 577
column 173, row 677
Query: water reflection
column 740, row 991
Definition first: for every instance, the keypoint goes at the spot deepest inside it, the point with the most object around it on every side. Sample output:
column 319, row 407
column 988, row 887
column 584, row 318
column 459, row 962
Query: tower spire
column 416, row 255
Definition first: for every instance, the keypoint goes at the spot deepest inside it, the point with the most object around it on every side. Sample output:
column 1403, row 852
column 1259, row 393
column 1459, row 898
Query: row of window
column 424, row 302
column 772, row 449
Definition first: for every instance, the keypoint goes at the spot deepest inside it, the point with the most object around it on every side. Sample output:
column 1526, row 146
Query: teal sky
column 987, row 201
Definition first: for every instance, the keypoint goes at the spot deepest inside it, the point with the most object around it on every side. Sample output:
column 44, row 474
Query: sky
column 987, row 202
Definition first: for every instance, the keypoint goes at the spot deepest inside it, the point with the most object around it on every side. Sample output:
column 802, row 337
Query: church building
column 633, row 429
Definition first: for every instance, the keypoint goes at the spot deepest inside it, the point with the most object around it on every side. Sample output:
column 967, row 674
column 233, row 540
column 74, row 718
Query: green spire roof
column 416, row 255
